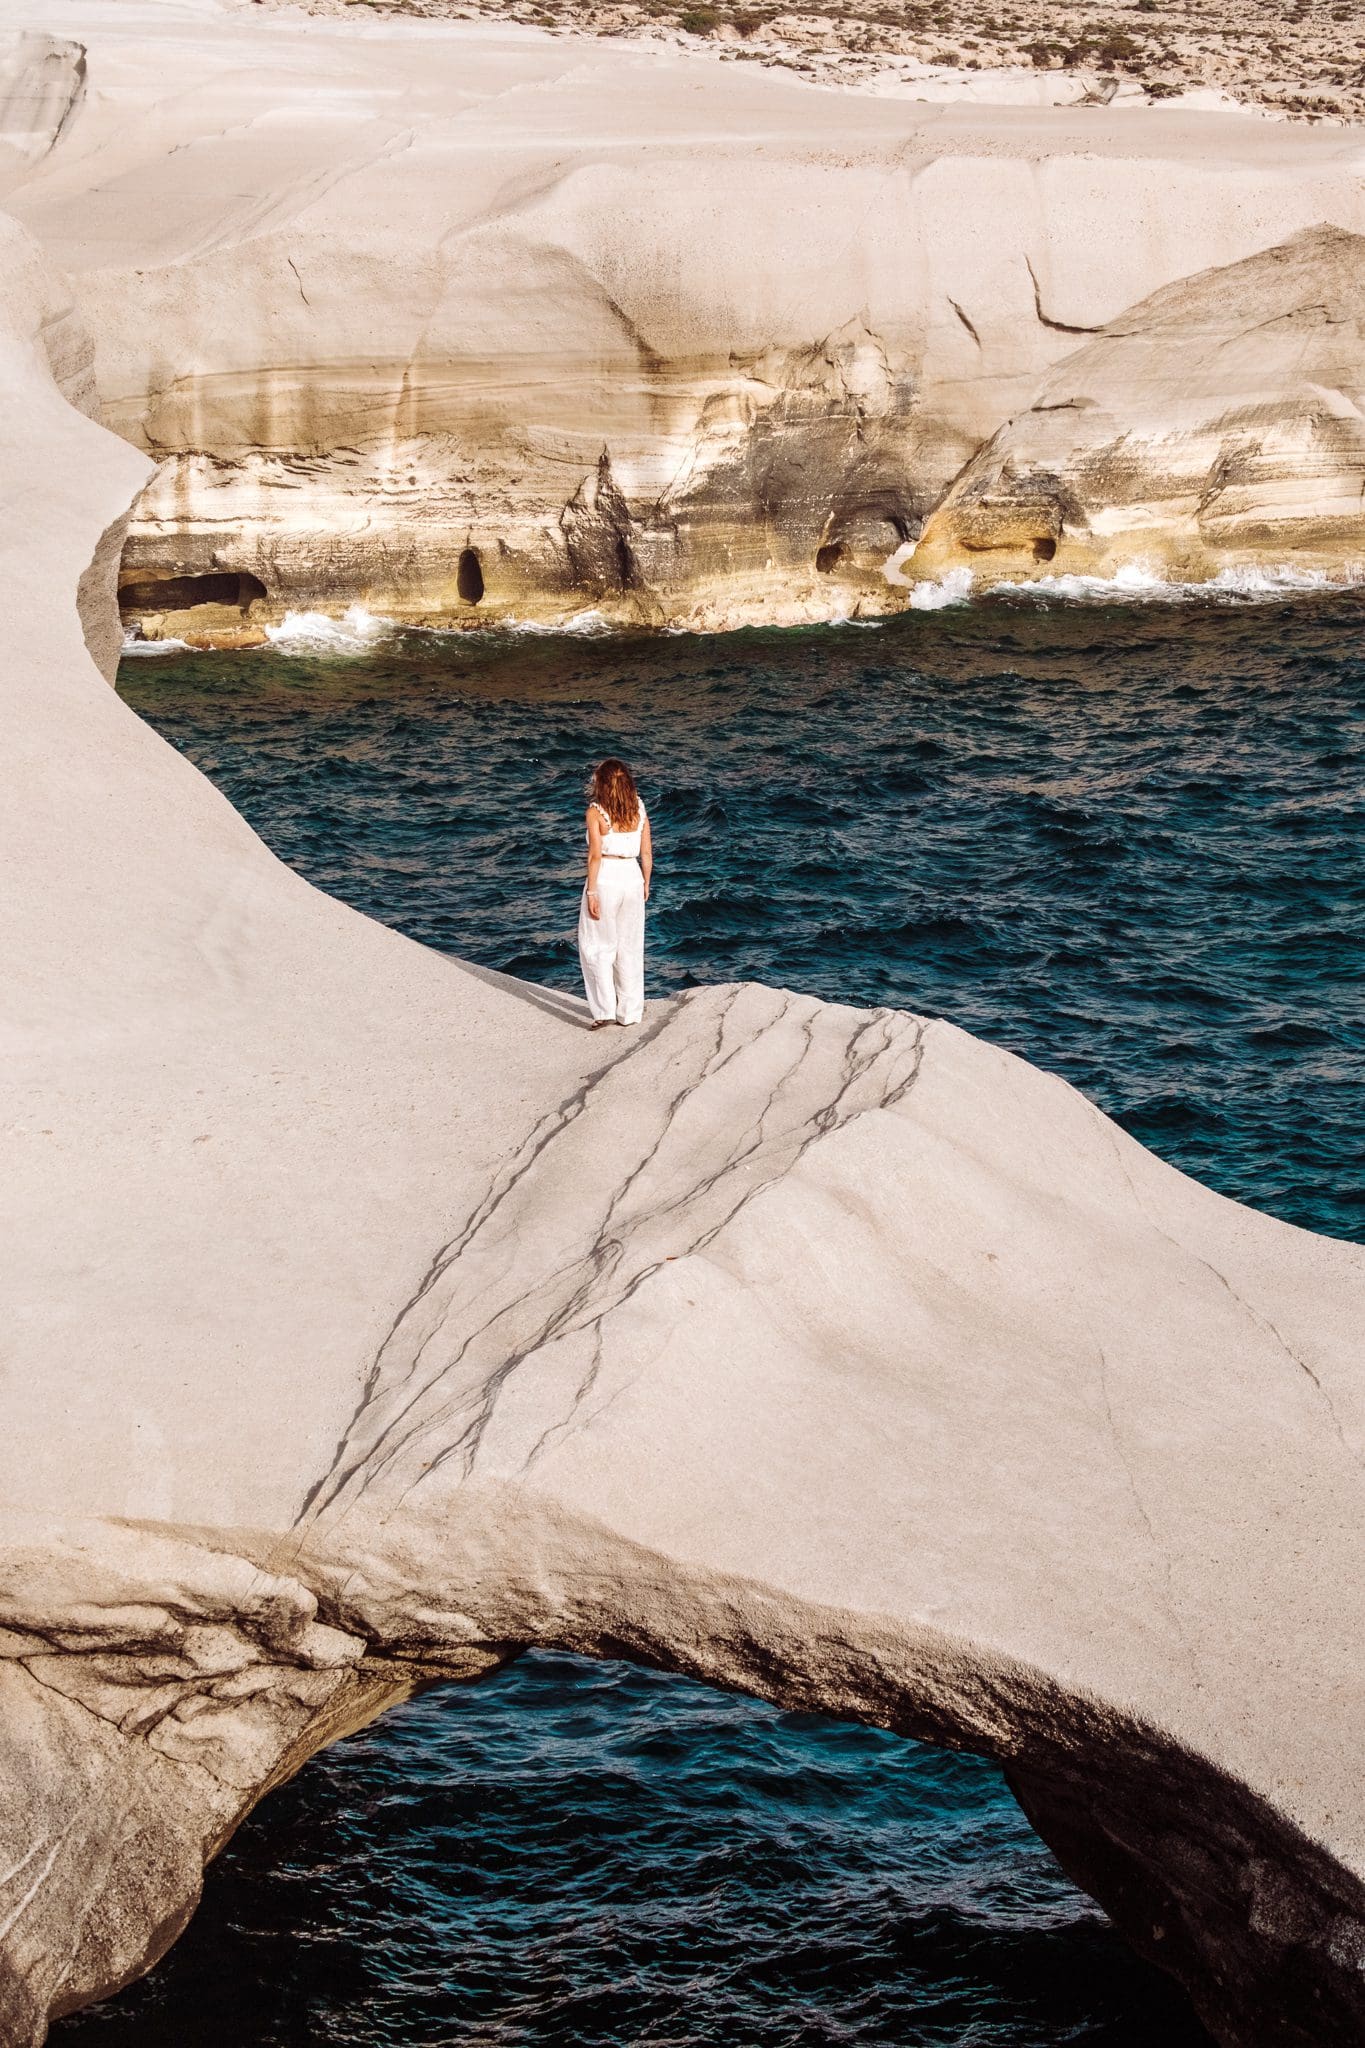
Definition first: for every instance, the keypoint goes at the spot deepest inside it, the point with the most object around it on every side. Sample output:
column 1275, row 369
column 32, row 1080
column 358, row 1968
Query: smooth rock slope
column 367, row 1319
column 463, row 322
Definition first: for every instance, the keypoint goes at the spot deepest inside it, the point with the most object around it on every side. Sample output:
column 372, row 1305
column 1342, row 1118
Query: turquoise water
column 1125, row 843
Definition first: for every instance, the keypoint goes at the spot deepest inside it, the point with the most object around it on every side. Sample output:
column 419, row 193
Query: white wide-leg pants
column 611, row 948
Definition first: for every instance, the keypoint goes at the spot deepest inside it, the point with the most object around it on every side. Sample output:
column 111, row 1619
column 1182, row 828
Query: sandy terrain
column 1305, row 59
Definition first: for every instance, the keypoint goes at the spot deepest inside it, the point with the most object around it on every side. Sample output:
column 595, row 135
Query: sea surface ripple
column 1124, row 843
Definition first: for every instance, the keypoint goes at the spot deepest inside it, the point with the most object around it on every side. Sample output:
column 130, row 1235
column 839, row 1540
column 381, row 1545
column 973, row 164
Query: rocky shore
column 366, row 1320
column 466, row 324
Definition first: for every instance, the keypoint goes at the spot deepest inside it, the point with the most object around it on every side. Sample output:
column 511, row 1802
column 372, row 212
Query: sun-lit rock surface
column 464, row 322
column 42, row 84
column 1056, row 52
column 1216, row 426
column 367, row 1318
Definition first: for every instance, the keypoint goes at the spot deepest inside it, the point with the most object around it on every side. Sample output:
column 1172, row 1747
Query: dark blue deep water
column 1124, row 842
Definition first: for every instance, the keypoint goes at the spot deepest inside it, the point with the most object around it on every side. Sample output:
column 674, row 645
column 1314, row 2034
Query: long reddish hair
column 613, row 786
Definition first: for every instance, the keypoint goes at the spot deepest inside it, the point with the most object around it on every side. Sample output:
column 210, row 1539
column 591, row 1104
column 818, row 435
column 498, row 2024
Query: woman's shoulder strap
column 602, row 811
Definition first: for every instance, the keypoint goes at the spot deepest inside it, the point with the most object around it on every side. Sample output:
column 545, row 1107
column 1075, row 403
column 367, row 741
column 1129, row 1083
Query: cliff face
column 1218, row 423
column 466, row 324
column 367, row 1320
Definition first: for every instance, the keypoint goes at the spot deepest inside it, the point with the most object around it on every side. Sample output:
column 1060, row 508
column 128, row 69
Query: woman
column 611, row 922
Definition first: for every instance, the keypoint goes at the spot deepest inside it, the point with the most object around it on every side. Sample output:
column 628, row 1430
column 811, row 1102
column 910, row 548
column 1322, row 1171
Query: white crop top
column 623, row 844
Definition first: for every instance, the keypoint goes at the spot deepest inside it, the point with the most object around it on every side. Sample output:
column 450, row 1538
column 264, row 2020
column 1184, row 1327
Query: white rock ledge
column 464, row 324
column 367, row 1321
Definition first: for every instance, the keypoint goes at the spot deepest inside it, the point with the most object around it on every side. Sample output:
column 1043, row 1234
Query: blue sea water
column 1125, row 842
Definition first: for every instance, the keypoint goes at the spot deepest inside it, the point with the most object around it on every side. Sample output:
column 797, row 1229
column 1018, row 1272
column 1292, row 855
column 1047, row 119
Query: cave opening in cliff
column 151, row 591
column 1044, row 548
column 828, row 558
column 626, row 568
column 469, row 576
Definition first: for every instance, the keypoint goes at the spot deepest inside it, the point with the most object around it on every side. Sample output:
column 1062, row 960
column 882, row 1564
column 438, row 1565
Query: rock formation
column 366, row 1321
column 1217, row 425
column 42, row 84
column 1043, row 52
column 466, row 324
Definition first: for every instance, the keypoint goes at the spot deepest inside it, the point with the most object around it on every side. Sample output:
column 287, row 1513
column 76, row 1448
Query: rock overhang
column 410, row 286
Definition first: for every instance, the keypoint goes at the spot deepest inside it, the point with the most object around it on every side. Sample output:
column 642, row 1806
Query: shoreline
column 357, row 631
column 458, row 320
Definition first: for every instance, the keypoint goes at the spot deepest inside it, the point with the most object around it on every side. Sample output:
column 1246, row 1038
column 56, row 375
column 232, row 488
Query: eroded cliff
column 1217, row 425
column 468, row 324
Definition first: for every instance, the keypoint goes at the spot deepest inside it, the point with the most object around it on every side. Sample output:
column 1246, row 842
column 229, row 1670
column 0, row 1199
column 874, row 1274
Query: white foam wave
column 1280, row 582
column 1133, row 583
column 588, row 622
column 953, row 587
column 355, row 632
column 133, row 643
column 1139, row 583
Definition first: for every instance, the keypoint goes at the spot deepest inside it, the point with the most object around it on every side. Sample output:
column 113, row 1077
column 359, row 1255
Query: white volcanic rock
column 1217, row 425
column 367, row 1319
column 42, row 83
column 679, row 339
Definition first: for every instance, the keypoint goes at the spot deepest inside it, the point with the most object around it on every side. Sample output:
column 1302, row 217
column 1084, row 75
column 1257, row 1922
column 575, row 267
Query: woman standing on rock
column 611, row 921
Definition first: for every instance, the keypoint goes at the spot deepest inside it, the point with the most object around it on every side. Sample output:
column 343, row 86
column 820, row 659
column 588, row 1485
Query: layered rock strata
column 368, row 1320
column 1218, row 424
column 466, row 324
